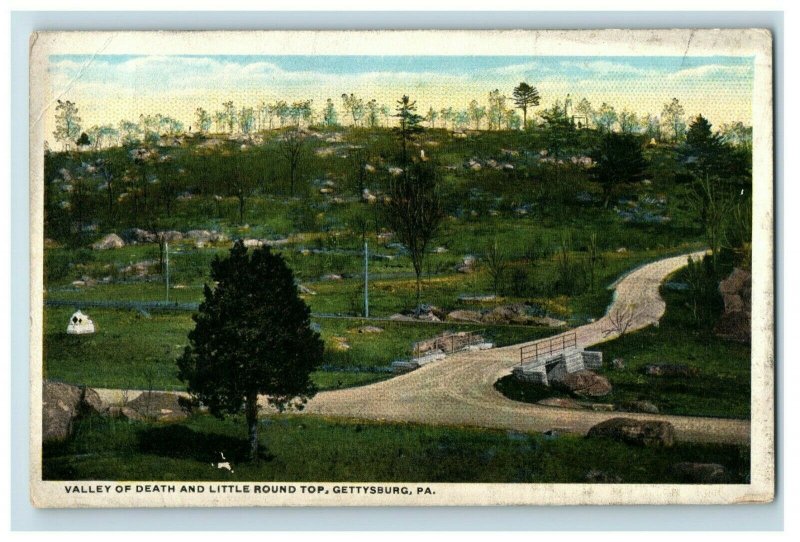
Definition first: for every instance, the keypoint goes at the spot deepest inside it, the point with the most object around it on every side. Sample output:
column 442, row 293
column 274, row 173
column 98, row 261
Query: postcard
column 401, row 268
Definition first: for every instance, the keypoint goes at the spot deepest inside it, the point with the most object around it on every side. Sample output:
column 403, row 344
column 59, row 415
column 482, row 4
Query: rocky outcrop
column 60, row 407
column 157, row 406
column 734, row 324
column 584, row 383
column 62, row 404
column 656, row 434
column 110, row 241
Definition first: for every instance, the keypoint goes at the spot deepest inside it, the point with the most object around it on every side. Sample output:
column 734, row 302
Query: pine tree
column 252, row 338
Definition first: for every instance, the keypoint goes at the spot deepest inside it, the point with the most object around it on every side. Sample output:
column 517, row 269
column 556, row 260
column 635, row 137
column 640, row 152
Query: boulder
column 110, row 241
column 585, row 383
column 639, row 406
column 171, row 236
column 156, row 405
column 561, row 402
column 647, row 433
column 734, row 324
column 126, row 413
column 618, row 364
column 669, row 369
column 60, row 407
column 138, row 235
column 508, row 314
column 700, row 473
column 91, row 402
column 547, row 321
column 464, row 316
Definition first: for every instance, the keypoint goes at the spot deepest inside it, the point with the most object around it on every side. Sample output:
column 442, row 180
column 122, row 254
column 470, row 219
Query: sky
column 108, row 88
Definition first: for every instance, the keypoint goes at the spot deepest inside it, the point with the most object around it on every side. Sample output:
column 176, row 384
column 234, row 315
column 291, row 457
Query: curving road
column 459, row 390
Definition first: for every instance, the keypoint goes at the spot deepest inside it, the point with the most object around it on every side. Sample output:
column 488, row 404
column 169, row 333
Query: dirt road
column 459, row 390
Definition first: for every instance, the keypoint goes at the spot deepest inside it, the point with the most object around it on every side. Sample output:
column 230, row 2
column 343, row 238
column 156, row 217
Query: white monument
column 80, row 324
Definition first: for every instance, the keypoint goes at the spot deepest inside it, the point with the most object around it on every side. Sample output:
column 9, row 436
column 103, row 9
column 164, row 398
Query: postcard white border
column 694, row 42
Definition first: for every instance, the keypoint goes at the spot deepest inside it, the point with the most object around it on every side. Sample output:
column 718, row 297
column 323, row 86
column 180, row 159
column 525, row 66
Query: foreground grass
column 721, row 389
column 318, row 449
column 132, row 351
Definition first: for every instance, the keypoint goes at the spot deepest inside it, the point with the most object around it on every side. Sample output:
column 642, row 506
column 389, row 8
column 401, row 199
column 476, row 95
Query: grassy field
column 109, row 449
column 131, row 351
column 722, row 387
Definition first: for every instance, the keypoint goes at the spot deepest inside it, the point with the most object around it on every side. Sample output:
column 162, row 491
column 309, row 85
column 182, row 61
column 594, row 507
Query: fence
column 532, row 352
column 448, row 343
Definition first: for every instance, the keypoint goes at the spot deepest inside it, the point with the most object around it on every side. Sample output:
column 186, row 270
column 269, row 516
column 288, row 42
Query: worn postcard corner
column 406, row 268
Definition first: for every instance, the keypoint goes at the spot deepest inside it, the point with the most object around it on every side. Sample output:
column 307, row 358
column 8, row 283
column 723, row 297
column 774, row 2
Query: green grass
column 130, row 351
column 306, row 448
column 722, row 388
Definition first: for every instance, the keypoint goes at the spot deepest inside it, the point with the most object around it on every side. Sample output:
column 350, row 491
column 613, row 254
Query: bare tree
column 292, row 147
column 414, row 210
column 496, row 265
column 620, row 320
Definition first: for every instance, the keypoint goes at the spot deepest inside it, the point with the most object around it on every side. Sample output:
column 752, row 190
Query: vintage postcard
column 401, row 268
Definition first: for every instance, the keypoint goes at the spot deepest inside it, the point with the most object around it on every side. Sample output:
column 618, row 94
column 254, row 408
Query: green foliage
column 618, row 160
column 309, row 448
column 252, row 337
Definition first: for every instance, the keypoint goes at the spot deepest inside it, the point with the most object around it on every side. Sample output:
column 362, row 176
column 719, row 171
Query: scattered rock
column 561, row 402
column 734, row 324
column 464, row 316
column 516, row 313
column 339, row 344
column 332, row 276
column 171, row 236
column 125, row 413
column 622, row 250
column 205, row 236
column 370, row 329
column 668, row 369
column 618, row 364
column 305, row 290
column 252, row 243
column 595, row 476
column 110, row 241
column 637, row 432
column 639, row 406
column 60, row 407
column 158, row 406
column 585, row 383
column 138, row 235
column 91, row 403
column 701, row 473
column 547, row 321
column 467, row 265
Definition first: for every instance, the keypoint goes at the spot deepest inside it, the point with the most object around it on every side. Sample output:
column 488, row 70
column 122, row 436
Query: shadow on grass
column 182, row 442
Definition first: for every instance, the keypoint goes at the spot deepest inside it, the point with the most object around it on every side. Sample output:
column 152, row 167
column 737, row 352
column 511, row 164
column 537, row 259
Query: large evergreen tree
column 252, row 338
column 617, row 160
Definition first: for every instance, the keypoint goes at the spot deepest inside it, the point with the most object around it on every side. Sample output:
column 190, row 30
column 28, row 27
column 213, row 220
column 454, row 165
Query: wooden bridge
column 547, row 347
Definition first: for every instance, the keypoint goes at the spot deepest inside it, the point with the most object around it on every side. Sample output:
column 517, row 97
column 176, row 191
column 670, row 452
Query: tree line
column 498, row 112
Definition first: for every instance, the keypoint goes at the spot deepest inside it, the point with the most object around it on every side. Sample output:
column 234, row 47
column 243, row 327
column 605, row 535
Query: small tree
column 252, row 337
column 414, row 210
column 496, row 265
column 292, row 147
column 68, row 123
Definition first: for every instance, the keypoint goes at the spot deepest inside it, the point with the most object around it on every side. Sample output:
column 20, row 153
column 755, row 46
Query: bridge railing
column 545, row 347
